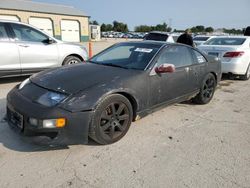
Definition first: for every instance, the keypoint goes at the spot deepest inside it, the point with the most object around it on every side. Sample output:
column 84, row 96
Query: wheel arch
column 133, row 102
column 215, row 76
column 74, row 55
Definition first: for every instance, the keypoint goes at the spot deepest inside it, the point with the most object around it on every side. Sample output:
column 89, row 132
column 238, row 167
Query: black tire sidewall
column 245, row 76
column 95, row 132
column 200, row 98
column 70, row 58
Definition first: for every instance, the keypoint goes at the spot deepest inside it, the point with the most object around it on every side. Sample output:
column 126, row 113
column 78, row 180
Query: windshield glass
column 201, row 38
column 225, row 41
column 127, row 55
column 156, row 37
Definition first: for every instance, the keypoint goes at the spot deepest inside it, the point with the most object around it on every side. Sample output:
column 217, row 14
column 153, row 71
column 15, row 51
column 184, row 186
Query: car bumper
column 20, row 110
column 236, row 67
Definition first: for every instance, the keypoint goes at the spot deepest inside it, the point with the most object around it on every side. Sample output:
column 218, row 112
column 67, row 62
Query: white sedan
column 234, row 53
column 201, row 39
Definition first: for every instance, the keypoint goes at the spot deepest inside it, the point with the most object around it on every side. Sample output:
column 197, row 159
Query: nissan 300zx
column 100, row 98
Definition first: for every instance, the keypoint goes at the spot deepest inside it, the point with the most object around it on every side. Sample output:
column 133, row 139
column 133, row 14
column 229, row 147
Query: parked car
column 200, row 39
column 175, row 36
column 159, row 36
column 25, row 50
column 117, row 86
column 234, row 52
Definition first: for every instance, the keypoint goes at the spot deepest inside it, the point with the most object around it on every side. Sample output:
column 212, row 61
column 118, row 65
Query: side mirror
column 49, row 41
column 164, row 68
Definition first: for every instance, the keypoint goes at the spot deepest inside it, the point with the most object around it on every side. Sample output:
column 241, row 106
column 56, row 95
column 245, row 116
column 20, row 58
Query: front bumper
column 77, row 123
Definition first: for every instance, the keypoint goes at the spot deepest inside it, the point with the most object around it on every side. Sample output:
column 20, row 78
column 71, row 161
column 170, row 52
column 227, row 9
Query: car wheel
column 71, row 60
column 247, row 75
column 206, row 91
column 111, row 120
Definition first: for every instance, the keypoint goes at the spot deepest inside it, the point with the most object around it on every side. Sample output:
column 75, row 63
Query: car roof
column 9, row 21
column 203, row 36
column 238, row 36
column 162, row 43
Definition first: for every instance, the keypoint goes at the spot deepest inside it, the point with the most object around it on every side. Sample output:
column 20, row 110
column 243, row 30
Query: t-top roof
column 28, row 5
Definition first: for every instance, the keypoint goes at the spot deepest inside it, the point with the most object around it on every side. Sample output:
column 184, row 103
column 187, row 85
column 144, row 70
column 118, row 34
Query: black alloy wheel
column 112, row 119
column 207, row 90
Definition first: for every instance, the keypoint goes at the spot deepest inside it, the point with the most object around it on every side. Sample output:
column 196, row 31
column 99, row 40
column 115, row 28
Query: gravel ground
column 183, row 145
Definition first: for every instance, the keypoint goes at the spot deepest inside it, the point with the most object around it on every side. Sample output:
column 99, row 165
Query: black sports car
column 100, row 99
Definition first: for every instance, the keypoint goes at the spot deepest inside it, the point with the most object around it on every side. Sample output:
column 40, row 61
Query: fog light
column 33, row 121
column 54, row 123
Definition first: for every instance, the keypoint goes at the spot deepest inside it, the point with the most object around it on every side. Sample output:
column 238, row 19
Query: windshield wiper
column 114, row 65
column 107, row 64
column 92, row 62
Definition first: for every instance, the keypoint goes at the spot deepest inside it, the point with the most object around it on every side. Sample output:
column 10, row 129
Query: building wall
column 56, row 19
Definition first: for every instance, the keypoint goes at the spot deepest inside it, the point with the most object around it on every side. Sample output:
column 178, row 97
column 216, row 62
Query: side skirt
column 160, row 106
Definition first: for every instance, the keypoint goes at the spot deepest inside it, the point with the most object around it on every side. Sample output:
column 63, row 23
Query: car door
column 199, row 68
column 36, row 53
column 9, row 63
column 166, row 87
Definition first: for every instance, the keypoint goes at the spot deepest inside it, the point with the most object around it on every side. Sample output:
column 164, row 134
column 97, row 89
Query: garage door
column 7, row 17
column 70, row 31
column 44, row 24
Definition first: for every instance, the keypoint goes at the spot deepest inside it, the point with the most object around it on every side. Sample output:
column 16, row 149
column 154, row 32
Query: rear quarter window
column 199, row 58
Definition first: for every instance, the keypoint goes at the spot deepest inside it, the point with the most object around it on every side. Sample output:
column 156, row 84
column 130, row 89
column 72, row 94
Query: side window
column 3, row 33
column 176, row 55
column 199, row 58
column 25, row 33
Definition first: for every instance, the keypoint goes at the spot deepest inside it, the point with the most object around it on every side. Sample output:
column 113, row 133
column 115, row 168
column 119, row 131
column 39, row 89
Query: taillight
column 233, row 54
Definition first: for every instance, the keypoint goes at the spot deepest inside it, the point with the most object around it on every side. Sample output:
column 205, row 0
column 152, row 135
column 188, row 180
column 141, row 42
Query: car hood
column 74, row 78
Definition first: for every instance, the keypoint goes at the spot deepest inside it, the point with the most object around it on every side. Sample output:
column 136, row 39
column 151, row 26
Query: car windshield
column 127, row 55
column 225, row 41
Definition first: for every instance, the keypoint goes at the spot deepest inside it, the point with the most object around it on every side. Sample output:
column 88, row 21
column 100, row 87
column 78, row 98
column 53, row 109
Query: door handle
column 23, row 45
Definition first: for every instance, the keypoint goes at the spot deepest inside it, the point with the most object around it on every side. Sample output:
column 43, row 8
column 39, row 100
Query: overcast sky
column 180, row 13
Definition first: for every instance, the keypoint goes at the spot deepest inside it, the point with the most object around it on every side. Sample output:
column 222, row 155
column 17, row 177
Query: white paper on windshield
column 144, row 50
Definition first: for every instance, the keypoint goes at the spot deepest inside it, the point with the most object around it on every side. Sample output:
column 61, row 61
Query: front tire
column 111, row 120
column 71, row 60
column 207, row 90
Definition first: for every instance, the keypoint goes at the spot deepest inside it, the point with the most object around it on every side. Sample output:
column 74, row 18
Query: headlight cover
column 24, row 83
column 50, row 98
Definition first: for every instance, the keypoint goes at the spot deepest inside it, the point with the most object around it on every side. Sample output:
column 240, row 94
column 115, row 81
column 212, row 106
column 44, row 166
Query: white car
column 234, row 53
column 25, row 49
column 201, row 39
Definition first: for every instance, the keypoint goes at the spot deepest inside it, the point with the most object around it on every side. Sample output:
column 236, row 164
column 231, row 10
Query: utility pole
column 170, row 22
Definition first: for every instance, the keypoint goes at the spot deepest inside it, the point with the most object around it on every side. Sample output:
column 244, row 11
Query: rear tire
column 247, row 75
column 71, row 60
column 207, row 90
column 111, row 120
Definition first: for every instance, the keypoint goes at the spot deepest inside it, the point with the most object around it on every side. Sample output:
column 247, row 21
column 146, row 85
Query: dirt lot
column 183, row 145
